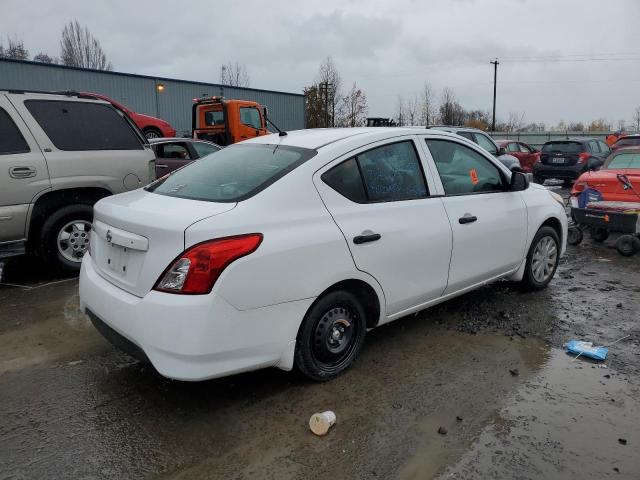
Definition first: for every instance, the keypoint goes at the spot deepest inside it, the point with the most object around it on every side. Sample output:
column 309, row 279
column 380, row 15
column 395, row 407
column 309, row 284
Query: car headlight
column 556, row 197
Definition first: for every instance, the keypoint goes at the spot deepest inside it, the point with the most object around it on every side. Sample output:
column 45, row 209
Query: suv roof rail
column 66, row 93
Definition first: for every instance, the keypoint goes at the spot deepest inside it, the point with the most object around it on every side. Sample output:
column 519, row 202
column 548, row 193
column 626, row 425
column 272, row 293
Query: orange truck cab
column 227, row 121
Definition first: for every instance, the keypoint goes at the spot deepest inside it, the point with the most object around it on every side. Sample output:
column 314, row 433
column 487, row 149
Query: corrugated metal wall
column 139, row 92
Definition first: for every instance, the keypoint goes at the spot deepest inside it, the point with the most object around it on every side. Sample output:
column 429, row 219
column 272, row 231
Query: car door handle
column 22, row 172
column 467, row 219
column 367, row 237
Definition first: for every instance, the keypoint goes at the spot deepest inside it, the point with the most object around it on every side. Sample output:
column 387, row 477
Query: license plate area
column 117, row 259
column 558, row 160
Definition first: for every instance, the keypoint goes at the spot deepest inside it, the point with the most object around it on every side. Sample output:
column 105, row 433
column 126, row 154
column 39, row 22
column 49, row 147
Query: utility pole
column 495, row 64
column 325, row 86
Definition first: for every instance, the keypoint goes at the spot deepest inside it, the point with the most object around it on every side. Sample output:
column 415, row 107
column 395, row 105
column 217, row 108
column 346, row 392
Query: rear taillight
column 583, row 157
column 197, row 269
column 578, row 188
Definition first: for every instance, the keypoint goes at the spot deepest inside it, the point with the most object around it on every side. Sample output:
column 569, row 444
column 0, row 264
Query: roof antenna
column 280, row 132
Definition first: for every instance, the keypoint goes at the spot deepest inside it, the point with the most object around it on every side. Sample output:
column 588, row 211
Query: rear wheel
column 575, row 236
column 599, row 234
column 542, row 259
column 152, row 133
column 64, row 238
column 627, row 245
column 331, row 336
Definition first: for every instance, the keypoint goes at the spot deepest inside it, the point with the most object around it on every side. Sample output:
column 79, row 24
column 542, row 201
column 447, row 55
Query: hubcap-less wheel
column 544, row 259
column 73, row 240
column 334, row 337
column 151, row 134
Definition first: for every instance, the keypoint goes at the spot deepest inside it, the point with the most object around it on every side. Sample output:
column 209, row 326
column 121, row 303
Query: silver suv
column 486, row 142
column 59, row 154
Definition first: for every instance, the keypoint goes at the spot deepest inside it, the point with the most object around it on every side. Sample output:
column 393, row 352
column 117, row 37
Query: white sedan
column 284, row 250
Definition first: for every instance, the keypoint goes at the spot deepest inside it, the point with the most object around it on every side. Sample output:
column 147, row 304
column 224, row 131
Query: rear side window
column 345, row 179
column 213, row 118
column 594, row 147
column 604, row 148
column 11, row 140
column 383, row 174
column 204, row 149
column 177, row 151
column 463, row 170
column 513, row 147
column 562, row 147
column 80, row 126
column 250, row 117
column 234, row 173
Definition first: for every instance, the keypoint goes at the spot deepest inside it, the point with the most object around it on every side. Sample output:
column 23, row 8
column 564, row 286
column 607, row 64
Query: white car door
column 395, row 230
column 489, row 222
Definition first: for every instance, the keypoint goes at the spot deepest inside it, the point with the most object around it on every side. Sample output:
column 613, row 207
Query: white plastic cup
column 320, row 423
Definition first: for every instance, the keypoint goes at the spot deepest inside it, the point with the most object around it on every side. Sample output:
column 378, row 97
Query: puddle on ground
column 574, row 419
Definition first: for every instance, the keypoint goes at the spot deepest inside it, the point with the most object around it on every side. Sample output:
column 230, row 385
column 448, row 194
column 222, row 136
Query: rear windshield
column 233, row 174
column 628, row 142
column 563, row 147
column 623, row 160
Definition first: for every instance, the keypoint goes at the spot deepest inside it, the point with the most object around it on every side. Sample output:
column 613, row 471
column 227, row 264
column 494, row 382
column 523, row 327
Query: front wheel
column 152, row 133
column 542, row 259
column 64, row 239
column 331, row 336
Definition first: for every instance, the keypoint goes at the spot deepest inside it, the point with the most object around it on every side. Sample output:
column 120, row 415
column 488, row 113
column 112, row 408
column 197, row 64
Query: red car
column 152, row 127
column 526, row 154
column 621, row 166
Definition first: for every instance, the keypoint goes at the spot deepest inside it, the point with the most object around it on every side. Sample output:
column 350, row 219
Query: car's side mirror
column 519, row 182
column 501, row 151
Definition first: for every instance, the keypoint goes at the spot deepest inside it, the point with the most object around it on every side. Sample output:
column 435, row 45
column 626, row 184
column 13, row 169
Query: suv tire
column 542, row 259
column 331, row 335
column 65, row 237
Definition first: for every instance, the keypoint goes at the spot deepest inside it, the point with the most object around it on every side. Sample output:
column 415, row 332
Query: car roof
column 179, row 139
column 633, row 135
column 316, row 138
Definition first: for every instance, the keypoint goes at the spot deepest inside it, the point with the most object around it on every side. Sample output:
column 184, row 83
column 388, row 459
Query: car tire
column 542, row 261
column 599, row 234
column 575, row 236
column 331, row 336
column 151, row 132
column 627, row 245
column 64, row 238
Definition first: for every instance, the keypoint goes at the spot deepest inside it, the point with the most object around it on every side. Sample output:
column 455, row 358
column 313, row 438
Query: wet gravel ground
column 487, row 370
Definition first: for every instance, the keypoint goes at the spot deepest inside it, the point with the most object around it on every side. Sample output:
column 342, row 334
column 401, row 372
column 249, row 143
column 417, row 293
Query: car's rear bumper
column 191, row 337
column 565, row 172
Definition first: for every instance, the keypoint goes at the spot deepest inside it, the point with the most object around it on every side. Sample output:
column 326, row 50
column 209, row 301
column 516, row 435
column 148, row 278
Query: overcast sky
column 560, row 59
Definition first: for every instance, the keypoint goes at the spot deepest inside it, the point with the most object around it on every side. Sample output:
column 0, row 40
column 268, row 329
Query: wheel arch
column 364, row 292
column 56, row 199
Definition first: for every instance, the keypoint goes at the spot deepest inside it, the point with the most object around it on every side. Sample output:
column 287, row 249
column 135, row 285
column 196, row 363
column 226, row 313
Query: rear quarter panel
column 302, row 254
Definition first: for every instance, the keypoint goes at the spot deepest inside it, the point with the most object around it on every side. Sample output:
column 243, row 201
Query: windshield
column 234, row 173
column 562, row 147
column 623, row 160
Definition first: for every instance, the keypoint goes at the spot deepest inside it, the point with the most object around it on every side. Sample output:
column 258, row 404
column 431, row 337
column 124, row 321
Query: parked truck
column 225, row 121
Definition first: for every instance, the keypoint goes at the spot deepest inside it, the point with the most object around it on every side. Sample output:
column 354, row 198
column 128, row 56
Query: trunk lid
column 137, row 235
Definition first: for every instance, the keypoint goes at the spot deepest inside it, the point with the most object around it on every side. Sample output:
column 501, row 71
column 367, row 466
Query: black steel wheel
column 575, row 236
column 626, row 245
column 599, row 234
column 331, row 336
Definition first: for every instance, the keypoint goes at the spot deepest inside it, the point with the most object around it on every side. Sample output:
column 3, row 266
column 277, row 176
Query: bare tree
column 599, row 125
column 330, row 82
column 515, row 121
column 428, row 111
column 78, row 48
column 636, row 118
column 44, row 58
column 234, row 75
column 451, row 112
column 401, row 116
column 412, row 110
column 15, row 50
column 353, row 110
column 622, row 125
